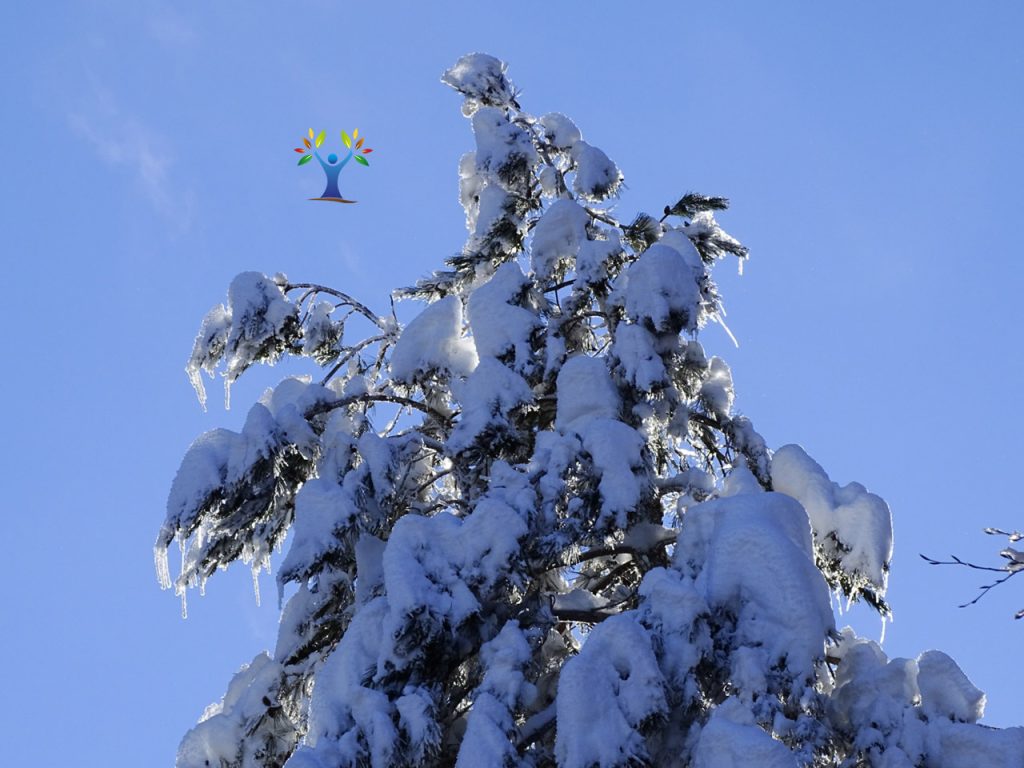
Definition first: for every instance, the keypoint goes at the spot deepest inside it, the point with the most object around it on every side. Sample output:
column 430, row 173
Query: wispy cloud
column 170, row 29
column 122, row 139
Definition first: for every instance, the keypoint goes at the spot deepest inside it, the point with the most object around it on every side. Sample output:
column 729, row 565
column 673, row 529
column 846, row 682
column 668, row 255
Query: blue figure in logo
column 332, row 165
column 333, row 169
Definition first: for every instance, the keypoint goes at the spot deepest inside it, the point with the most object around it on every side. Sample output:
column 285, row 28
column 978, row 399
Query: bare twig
column 1010, row 573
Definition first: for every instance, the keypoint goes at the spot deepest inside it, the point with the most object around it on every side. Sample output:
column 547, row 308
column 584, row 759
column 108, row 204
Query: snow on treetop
column 480, row 78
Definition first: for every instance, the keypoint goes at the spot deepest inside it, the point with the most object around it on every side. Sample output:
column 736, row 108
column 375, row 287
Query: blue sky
column 872, row 154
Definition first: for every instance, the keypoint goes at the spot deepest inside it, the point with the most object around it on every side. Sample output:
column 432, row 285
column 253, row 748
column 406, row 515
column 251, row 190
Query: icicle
column 163, row 570
column 740, row 266
column 227, row 394
column 717, row 317
column 890, row 618
column 182, row 587
column 256, row 581
column 197, row 383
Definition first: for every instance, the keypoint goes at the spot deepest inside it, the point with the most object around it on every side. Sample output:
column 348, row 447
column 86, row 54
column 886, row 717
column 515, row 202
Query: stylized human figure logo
column 332, row 165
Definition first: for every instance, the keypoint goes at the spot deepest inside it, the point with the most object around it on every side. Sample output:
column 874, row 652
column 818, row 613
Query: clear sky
column 872, row 152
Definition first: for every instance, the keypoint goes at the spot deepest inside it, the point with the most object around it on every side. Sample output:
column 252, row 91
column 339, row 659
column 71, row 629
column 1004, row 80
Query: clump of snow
column 490, row 724
column 945, row 689
column 962, row 745
column 617, row 453
column 915, row 712
column 717, row 391
column 670, row 608
column 557, row 238
column 677, row 239
column 369, row 567
column 261, row 320
column 503, row 148
column 487, row 396
column 434, row 568
column 215, row 739
column 548, row 178
column 417, row 720
column 660, row 291
column 752, row 555
column 703, row 228
column 256, row 325
column 731, row 739
column 740, row 480
column 471, row 183
column 500, row 326
column 208, row 349
column 851, row 526
column 636, row 359
column 213, row 458
column 288, row 403
column 481, row 79
column 322, row 507
column 349, row 722
column 433, row 343
column 560, row 131
column 585, row 391
column 606, row 694
column 597, row 176
column 491, row 210
column 320, row 333
column 594, row 255
column 871, row 692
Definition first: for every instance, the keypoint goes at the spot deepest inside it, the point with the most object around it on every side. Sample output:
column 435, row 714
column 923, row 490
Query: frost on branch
column 533, row 528
column 257, row 325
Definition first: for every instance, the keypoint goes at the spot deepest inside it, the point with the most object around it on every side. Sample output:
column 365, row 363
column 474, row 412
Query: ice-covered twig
column 361, row 308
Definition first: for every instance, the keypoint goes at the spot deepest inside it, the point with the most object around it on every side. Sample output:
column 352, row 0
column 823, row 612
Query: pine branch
column 692, row 203
column 344, row 402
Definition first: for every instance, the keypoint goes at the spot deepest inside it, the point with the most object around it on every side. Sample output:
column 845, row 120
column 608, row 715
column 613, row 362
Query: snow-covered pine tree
column 529, row 529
